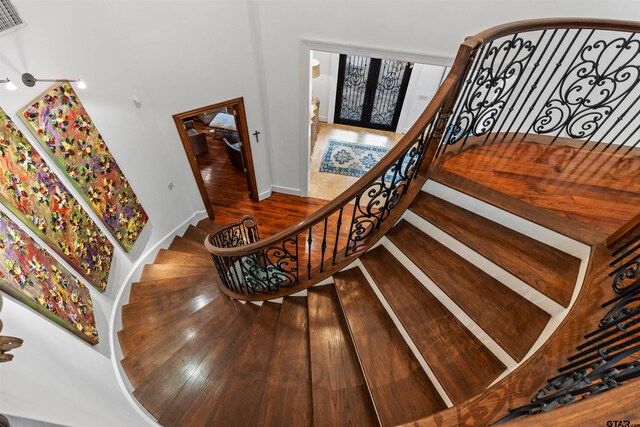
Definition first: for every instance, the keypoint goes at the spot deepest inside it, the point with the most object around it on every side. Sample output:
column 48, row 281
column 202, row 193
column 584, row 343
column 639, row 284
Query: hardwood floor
column 224, row 183
column 599, row 190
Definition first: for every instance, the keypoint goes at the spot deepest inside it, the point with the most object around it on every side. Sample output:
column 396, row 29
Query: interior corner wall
column 172, row 56
column 430, row 27
column 324, row 86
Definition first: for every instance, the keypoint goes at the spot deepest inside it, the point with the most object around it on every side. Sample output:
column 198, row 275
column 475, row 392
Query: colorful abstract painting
column 31, row 275
column 30, row 190
column 66, row 131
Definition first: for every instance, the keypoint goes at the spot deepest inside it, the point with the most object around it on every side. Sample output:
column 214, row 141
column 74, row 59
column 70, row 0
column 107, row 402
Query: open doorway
column 216, row 141
column 360, row 108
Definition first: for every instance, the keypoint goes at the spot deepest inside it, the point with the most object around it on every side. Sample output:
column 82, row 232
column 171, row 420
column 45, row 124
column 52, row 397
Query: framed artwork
column 32, row 276
column 32, row 192
column 63, row 127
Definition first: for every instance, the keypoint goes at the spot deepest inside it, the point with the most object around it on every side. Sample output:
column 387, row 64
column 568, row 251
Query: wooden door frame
column 241, row 123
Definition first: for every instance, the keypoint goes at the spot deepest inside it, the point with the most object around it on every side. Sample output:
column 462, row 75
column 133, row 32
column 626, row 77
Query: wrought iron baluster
column 573, row 115
column 557, row 85
column 515, row 85
column 450, row 128
column 491, row 82
column 324, row 244
column 353, row 221
column 335, row 246
column 309, row 241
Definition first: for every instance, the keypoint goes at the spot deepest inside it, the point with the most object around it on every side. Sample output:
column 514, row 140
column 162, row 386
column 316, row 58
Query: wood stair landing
column 596, row 190
column 461, row 363
column 549, row 270
column 400, row 388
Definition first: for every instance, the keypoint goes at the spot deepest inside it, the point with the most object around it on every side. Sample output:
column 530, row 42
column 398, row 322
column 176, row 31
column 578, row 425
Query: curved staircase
column 407, row 301
column 413, row 329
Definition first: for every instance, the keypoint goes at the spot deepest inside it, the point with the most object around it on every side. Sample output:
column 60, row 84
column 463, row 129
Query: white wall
column 423, row 85
column 173, row 56
column 430, row 27
column 324, row 86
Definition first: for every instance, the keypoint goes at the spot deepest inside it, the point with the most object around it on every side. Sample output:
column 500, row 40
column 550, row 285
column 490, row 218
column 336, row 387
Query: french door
column 371, row 91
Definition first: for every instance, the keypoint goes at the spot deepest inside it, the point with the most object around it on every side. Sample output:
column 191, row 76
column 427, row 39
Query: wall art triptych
column 31, row 190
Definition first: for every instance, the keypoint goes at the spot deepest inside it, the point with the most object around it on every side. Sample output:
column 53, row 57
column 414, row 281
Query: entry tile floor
column 327, row 186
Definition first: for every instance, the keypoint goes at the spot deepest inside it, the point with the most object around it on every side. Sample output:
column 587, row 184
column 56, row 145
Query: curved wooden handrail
column 440, row 115
column 333, row 206
column 510, row 28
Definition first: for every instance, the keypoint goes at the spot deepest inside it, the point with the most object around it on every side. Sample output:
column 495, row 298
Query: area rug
column 345, row 158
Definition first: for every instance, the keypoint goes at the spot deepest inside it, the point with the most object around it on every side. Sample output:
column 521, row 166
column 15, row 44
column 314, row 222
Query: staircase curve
column 409, row 299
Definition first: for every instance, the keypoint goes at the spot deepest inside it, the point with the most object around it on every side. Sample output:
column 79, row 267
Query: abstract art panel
column 30, row 189
column 63, row 127
column 32, row 276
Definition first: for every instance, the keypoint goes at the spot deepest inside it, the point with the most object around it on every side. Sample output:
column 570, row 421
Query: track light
column 30, row 81
column 9, row 84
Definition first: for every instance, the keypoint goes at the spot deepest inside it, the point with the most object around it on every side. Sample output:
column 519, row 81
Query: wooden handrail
column 389, row 159
column 430, row 126
column 502, row 30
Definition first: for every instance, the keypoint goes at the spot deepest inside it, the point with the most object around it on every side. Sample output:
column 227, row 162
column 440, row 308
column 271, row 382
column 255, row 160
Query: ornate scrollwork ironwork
column 272, row 269
column 488, row 89
column 602, row 363
column 375, row 204
column 589, row 92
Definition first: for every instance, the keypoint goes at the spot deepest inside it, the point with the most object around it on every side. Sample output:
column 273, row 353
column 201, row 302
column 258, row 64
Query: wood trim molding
column 237, row 104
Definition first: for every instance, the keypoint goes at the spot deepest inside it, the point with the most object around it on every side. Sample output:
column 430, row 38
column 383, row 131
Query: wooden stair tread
column 286, row 400
column 157, row 319
column 141, row 363
column 340, row 395
column 181, row 244
column 401, row 390
column 166, row 271
column 178, row 331
column 551, row 220
column 245, row 376
column 183, row 408
column 543, row 267
column 161, row 386
column 512, row 321
column 208, row 226
column 195, row 234
column 156, row 288
column 166, row 300
column 461, row 363
column 167, row 256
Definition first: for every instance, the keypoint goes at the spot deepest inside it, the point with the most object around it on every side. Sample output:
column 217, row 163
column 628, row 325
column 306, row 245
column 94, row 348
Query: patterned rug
column 345, row 158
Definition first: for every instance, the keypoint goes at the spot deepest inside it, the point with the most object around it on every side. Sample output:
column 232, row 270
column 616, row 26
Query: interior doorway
column 216, row 141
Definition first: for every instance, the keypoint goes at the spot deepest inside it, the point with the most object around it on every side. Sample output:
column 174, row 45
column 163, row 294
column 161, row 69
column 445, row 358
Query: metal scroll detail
column 273, row 269
column 355, row 86
column 609, row 356
column 387, row 91
column 374, row 205
column 591, row 90
column 488, row 87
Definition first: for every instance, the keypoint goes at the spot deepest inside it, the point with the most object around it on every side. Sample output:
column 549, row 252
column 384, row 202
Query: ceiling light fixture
column 9, row 84
column 30, row 81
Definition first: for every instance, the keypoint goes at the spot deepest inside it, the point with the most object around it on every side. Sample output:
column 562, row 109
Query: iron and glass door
column 371, row 91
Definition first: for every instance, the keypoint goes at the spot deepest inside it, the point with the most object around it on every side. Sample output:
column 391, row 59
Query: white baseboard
column 264, row 195
column 285, row 190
